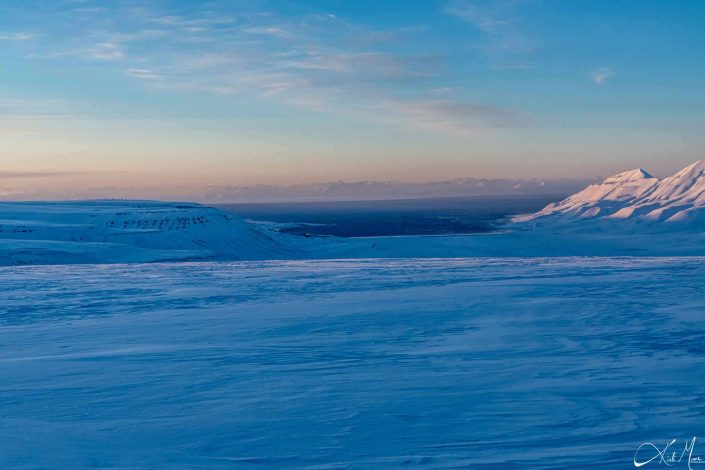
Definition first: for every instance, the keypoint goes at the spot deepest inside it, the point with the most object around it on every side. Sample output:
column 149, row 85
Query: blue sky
column 191, row 93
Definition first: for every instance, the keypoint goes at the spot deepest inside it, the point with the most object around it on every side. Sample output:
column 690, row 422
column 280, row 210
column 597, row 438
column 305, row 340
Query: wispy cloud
column 203, row 22
column 601, row 75
column 106, row 51
column 303, row 64
column 313, row 60
column 18, row 36
column 142, row 74
column 484, row 18
column 499, row 21
column 15, row 108
column 453, row 116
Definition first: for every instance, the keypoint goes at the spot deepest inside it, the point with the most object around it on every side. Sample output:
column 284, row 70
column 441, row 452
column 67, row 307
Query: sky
column 125, row 96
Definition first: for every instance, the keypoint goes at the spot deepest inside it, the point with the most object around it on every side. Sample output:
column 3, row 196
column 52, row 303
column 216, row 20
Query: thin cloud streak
column 18, row 36
column 106, row 51
column 498, row 20
column 23, row 109
column 463, row 118
column 34, row 174
column 478, row 16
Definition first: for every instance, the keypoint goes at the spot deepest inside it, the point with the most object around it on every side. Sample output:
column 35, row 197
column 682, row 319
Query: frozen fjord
column 551, row 363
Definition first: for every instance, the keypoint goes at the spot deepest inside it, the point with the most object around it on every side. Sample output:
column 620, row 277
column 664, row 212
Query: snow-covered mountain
column 634, row 196
column 127, row 231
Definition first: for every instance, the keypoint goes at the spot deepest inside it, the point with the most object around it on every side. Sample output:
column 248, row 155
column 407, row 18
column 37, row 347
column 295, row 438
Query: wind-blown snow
column 491, row 363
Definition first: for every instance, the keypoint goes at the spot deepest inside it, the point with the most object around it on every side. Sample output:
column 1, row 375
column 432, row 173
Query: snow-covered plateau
column 475, row 363
column 115, row 231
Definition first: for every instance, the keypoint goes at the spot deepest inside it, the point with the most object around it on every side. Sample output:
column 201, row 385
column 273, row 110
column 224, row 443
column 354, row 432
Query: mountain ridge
column 633, row 195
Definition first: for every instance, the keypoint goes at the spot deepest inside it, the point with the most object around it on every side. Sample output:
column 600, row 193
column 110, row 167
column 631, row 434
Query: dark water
column 399, row 217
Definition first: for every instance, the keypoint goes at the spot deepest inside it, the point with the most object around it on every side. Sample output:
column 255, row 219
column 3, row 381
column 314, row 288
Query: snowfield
column 519, row 363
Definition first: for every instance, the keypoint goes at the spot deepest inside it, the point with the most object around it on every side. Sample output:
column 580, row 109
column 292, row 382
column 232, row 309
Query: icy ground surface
column 558, row 363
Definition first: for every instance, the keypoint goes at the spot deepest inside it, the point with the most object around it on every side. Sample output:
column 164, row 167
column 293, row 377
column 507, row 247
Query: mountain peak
column 623, row 186
column 637, row 174
column 695, row 169
column 688, row 185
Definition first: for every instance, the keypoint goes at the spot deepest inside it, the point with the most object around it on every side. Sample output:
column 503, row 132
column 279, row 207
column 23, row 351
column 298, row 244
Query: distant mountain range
column 633, row 196
column 371, row 190
column 331, row 191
